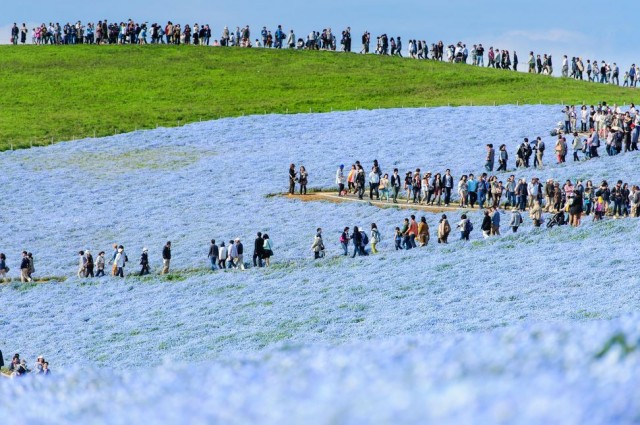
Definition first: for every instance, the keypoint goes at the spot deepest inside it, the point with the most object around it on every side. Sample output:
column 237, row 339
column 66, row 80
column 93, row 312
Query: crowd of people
column 18, row 367
column 131, row 32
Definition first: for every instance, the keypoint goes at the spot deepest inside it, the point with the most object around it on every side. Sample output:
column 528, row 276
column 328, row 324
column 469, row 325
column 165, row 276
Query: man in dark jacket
column 292, row 179
column 240, row 258
column 1, row 360
column 24, row 268
column 213, row 254
column 166, row 258
column 258, row 250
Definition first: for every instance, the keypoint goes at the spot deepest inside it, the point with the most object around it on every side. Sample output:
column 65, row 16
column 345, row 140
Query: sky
column 544, row 26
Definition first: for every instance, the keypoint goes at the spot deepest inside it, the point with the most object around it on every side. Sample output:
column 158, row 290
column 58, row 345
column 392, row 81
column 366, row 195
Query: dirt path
column 402, row 204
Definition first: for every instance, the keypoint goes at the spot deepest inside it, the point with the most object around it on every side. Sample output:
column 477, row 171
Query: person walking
column 166, row 258
column 144, row 262
column 114, row 267
column 344, row 241
column 120, row 261
column 24, row 268
column 318, row 245
column 100, row 262
column 240, row 254
column 447, row 182
column 444, row 228
column 486, row 224
column 516, row 219
column 82, row 264
column 395, row 185
column 423, row 232
column 375, row 238
column 491, row 155
column 89, row 264
column 340, row 180
column 222, row 256
column 258, row 251
column 213, row 254
column 3, row 271
column 267, row 250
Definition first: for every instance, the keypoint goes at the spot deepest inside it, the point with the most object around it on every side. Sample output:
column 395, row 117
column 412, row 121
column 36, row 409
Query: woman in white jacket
column 120, row 261
column 222, row 256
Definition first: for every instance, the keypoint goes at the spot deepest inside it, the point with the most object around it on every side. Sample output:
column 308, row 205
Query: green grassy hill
column 61, row 93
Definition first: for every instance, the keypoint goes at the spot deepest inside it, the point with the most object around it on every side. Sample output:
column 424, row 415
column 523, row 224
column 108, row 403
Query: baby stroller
column 557, row 219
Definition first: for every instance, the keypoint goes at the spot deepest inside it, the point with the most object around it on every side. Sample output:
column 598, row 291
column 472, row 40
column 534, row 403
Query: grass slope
column 63, row 93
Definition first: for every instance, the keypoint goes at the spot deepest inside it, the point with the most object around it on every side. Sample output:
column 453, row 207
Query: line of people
column 131, row 32
column 221, row 256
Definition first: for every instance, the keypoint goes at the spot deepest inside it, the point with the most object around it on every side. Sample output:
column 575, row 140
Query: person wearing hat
column 516, row 219
column 144, row 262
column 340, row 179
column 166, row 257
column 38, row 369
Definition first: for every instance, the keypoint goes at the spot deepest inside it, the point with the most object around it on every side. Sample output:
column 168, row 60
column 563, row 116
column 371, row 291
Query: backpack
column 468, row 227
column 541, row 146
column 376, row 236
column 365, row 239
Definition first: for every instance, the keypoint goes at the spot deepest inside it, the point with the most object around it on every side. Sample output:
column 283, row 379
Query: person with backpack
column 516, row 219
column 318, row 245
column 144, row 262
column 465, row 226
column 267, row 250
column 364, row 243
column 444, row 228
column 356, row 237
column 375, row 238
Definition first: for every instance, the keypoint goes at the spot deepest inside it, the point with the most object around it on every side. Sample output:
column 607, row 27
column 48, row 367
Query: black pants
column 222, row 264
column 447, row 195
column 144, row 270
column 473, row 197
column 89, row 271
column 292, row 186
column 100, row 272
column 373, row 188
column 395, row 193
column 257, row 259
